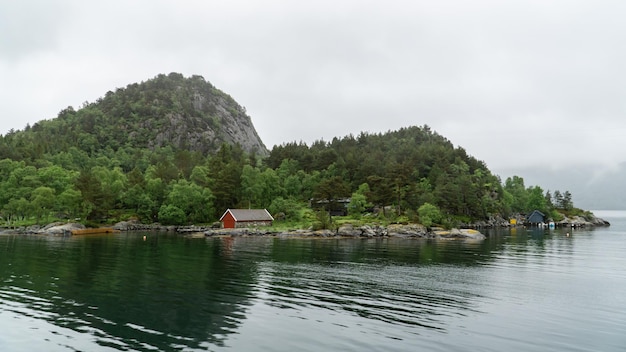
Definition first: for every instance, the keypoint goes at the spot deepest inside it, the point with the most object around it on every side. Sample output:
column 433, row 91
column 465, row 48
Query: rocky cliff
column 202, row 117
column 166, row 111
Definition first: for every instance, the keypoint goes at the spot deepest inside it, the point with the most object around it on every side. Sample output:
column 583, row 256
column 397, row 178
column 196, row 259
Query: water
column 517, row 291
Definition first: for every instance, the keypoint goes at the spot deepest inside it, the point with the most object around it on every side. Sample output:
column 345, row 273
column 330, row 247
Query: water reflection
column 398, row 296
column 127, row 293
column 402, row 282
column 119, row 292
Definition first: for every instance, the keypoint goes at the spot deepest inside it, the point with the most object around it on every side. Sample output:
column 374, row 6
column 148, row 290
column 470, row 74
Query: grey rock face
column 185, row 113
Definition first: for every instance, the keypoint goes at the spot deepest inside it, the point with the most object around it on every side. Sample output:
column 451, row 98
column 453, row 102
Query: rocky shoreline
column 468, row 231
column 349, row 231
column 574, row 221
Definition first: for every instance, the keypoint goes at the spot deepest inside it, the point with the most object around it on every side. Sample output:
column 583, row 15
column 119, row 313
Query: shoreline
column 469, row 231
column 344, row 231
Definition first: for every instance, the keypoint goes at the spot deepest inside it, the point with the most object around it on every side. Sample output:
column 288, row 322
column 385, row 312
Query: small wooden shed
column 236, row 218
column 536, row 217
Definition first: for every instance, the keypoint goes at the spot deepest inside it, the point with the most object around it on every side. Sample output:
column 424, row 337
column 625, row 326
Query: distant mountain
column 168, row 110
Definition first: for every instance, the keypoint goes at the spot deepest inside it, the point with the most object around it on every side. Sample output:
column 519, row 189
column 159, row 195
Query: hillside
column 406, row 168
column 182, row 113
column 177, row 150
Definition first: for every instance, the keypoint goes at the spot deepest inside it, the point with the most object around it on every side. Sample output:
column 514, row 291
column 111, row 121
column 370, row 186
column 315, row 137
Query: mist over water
column 519, row 290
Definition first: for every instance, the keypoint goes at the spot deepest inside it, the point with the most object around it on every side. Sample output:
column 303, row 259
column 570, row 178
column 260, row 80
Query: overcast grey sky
column 515, row 83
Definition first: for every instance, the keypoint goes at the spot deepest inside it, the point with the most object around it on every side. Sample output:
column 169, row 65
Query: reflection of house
column 535, row 218
column 235, row 218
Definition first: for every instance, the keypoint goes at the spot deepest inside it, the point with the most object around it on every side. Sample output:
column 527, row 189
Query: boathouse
column 236, row 218
column 536, row 218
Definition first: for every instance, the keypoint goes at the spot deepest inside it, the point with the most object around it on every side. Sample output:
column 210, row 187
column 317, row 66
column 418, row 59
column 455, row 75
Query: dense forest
column 120, row 157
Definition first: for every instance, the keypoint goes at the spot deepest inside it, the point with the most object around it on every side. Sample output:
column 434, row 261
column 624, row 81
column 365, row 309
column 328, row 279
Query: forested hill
column 177, row 150
column 411, row 171
column 404, row 168
column 166, row 111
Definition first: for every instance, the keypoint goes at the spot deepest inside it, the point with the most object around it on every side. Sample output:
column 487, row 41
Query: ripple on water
column 507, row 293
column 394, row 296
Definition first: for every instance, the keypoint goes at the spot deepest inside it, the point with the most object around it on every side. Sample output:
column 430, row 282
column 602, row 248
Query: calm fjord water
column 518, row 290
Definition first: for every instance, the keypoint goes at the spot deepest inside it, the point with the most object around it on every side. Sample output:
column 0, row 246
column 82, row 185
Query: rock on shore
column 579, row 221
column 55, row 229
column 460, row 233
column 351, row 231
column 345, row 231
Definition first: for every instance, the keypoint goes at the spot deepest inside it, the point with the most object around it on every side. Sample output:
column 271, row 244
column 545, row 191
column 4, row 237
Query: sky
column 517, row 84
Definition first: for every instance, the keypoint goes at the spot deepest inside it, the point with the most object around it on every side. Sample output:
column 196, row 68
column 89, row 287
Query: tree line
column 395, row 173
column 130, row 154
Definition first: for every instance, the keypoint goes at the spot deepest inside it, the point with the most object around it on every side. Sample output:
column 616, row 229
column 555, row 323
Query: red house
column 235, row 218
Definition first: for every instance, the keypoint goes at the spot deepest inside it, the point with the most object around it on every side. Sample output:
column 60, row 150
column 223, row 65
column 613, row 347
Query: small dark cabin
column 536, row 217
column 336, row 207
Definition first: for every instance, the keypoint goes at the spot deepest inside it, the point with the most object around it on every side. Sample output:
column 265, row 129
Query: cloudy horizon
column 516, row 84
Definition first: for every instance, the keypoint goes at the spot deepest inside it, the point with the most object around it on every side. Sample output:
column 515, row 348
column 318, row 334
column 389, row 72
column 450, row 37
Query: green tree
column 381, row 191
column 424, row 191
column 568, row 204
column 225, row 173
column 70, row 201
column 289, row 207
column 136, row 178
column 292, row 186
column 96, row 200
column 171, row 215
column 43, row 199
column 329, row 191
column 358, row 204
column 558, row 199
column 16, row 209
column 448, row 194
column 138, row 199
column 56, row 177
column 270, row 184
column 200, row 176
column 537, row 200
column 429, row 214
column 113, row 182
column 548, row 197
column 156, row 191
column 195, row 202
column 515, row 186
column 358, row 201
column 251, row 186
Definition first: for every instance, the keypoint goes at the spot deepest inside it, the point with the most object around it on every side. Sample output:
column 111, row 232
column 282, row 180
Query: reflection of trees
column 392, row 250
column 167, row 291
column 171, row 292
column 404, row 282
column 528, row 245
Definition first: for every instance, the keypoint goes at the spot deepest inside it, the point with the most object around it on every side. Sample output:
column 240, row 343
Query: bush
column 291, row 208
column 555, row 215
column 358, row 204
column 171, row 215
column 429, row 214
column 324, row 221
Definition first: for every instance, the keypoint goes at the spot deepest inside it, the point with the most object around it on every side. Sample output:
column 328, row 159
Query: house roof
column 249, row 214
column 536, row 212
column 536, row 217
